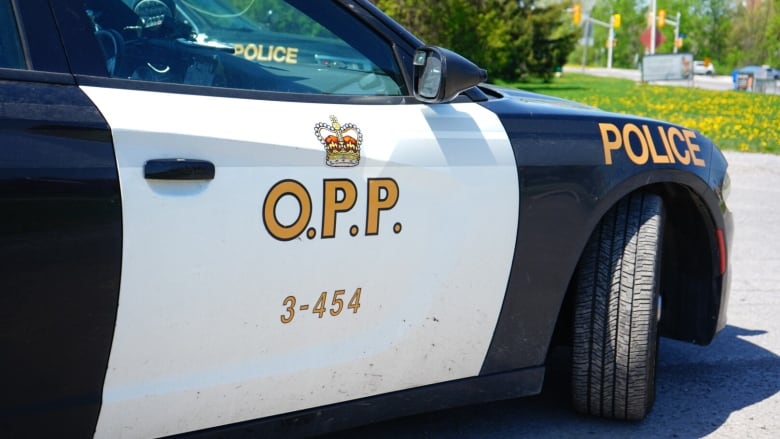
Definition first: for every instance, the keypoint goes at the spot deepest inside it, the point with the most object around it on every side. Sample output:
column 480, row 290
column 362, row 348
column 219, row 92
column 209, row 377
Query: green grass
column 733, row 120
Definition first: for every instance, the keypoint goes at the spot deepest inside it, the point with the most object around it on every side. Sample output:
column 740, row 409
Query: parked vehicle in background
column 761, row 72
column 703, row 68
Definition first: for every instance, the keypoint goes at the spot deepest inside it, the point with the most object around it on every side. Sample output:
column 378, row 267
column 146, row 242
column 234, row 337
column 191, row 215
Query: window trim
column 40, row 36
column 239, row 93
column 36, row 76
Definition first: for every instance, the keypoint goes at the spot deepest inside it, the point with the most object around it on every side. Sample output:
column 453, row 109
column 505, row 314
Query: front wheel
column 617, row 311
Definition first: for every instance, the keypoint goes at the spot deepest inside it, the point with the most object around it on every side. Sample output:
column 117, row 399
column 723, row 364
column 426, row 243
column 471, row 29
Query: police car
column 318, row 221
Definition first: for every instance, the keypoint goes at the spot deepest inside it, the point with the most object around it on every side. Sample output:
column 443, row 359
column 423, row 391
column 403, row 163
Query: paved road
column 718, row 82
column 730, row 389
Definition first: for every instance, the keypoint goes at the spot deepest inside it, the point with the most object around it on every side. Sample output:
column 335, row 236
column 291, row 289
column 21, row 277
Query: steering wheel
column 112, row 45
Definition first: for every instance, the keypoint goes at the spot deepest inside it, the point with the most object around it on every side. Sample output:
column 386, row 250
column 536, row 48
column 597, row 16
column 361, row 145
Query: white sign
column 667, row 67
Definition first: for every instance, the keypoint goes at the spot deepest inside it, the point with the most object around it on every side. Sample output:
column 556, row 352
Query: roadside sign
column 667, row 67
column 646, row 38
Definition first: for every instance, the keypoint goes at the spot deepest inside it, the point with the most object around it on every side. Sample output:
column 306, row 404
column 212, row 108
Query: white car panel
column 201, row 338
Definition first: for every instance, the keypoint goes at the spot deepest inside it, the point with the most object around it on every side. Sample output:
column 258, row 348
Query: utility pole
column 676, row 24
column 586, row 27
column 587, row 23
column 661, row 20
column 614, row 21
column 653, row 13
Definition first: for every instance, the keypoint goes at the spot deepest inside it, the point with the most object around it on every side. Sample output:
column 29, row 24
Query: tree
column 708, row 25
column 504, row 39
column 752, row 24
column 509, row 38
column 772, row 38
column 551, row 42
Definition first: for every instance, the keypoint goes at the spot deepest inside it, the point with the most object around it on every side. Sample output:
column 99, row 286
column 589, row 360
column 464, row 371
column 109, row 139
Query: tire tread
column 615, row 342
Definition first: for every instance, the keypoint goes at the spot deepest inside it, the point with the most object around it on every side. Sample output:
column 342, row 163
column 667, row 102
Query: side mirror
column 440, row 75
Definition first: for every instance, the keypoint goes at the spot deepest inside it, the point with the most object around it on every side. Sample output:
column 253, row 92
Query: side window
column 10, row 45
column 298, row 46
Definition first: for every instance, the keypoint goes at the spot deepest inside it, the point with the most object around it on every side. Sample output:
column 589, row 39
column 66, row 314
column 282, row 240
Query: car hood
column 535, row 98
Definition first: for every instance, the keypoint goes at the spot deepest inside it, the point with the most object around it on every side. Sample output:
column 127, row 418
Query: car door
column 324, row 240
column 60, row 235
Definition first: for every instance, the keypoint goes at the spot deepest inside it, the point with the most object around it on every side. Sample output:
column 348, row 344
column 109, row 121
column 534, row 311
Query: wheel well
column 689, row 287
column 691, row 296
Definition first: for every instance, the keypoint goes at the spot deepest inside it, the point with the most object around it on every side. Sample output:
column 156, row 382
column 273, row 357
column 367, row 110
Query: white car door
column 339, row 250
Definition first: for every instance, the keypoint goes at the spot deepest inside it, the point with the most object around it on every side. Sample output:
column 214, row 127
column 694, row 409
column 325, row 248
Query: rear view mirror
column 440, row 75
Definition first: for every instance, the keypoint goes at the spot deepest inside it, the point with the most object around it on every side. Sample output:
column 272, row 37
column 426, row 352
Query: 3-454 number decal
column 336, row 303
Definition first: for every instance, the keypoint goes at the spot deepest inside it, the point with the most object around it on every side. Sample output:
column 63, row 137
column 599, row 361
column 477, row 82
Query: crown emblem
column 341, row 142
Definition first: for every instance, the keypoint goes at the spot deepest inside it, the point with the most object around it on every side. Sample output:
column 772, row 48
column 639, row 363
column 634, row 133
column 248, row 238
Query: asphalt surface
column 729, row 389
column 717, row 82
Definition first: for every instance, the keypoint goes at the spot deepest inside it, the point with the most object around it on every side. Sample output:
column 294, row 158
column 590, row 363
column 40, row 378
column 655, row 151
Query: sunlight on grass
column 733, row 120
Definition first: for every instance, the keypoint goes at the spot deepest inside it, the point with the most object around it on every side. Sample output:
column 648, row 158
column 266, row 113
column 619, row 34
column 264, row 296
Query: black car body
column 195, row 242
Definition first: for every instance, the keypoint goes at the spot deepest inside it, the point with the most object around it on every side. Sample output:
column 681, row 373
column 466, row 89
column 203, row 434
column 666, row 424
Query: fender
column 572, row 170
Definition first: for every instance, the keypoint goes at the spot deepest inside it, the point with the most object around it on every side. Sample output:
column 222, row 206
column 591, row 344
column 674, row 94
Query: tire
column 615, row 338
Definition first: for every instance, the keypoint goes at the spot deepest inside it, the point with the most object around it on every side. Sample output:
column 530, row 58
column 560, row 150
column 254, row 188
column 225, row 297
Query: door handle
column 178, row 169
